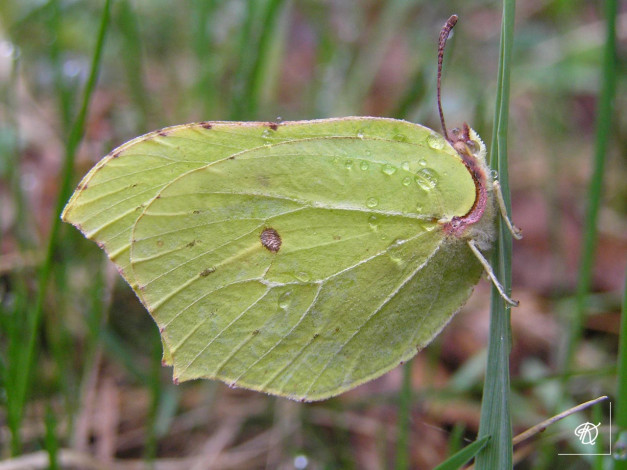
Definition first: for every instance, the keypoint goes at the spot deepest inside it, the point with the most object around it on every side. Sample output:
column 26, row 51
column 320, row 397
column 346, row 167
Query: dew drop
column 422, row 162
column 266, row 134
column 435, row 141
column 620, row 453
column 373, row 221
column 419, row 208
column 427, row 179
column 301, row 462
column 372, row 202
column 405, row 166
column 360, row 134
column 494, row 174
column 620, row 448
column 397, row 259
column 388, row 169
column 406, row 181
column 302, row 276
column 473, row 146
column 285, row 299
column 364, row 165
column 348, row 164
column 400, row 137
column 384, row 236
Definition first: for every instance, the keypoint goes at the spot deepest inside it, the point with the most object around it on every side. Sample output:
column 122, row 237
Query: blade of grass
column 20, row 388
column 50, row 440
column 132, row 58
column 208, row 65
column 495, row 413
column 245, row 102
column 460, row 458
column 603, row 129
column 368, row 62
column 404, row 421
column 62, row 90
column 621, row 392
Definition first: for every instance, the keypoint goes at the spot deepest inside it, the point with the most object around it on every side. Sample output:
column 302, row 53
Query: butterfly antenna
column 444, row 34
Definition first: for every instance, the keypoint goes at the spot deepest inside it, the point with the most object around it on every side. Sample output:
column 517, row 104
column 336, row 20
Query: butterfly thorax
column 478, row 222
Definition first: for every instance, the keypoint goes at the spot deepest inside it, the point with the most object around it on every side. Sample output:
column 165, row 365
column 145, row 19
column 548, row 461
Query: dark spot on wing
column 207, row 271
column 159, row 243
column 163, row 133
column 196, row 212
column 255, row 332
column 232, row 157
column 206, row 125
column 116, row 154
column 273, row 125
column 190, row 244
column 270, row 239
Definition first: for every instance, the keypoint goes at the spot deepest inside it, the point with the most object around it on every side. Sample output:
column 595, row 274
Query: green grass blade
column 63, row 91
column 132, row 57
column 20, row 388
column 206, row 87
column 368, row 62
column 621, row 392
column 460, row 458
column 50, row 439
column 404, row 421
column 245, row 103
column 603, row 130
column 495, row 412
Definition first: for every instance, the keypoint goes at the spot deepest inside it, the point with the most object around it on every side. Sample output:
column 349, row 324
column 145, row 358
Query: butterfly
column 296, row 258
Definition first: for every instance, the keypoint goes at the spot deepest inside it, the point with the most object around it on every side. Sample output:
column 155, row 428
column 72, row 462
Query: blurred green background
column 96, row 395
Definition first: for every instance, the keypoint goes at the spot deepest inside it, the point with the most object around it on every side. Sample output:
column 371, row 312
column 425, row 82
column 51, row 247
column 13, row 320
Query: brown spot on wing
column 270, row 239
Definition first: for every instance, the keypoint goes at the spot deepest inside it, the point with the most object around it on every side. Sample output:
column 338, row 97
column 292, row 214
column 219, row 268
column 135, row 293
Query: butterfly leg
column 488, row 270
column 515, row 231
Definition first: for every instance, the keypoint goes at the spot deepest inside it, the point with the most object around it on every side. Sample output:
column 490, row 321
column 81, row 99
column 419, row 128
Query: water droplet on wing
column 372, row 202
column 285, row 299
column 427, row 179
column 435, row 141
column 388, row 169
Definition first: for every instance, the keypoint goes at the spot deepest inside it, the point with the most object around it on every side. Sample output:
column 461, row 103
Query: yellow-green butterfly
column 299, row 259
